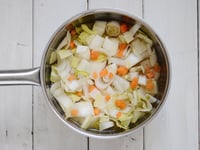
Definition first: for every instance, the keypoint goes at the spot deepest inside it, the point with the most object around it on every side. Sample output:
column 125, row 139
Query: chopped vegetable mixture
column 105, row 76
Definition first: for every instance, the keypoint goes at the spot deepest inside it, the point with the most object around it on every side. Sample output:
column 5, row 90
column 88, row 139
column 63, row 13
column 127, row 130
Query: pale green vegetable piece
column 81, row 73
column 145, row 38
column 136, row 116
column 87, row 122
column 122, row 39
column 111, row 45
column 64, row 101
column 84, row 108
column 139, row 47
column 95, row 42
column 102, row 57
column 153, row 58
column 53, row 57
column 83, row 51
column 134, row 29
column 142, row 80
column 125, row 120
column 62, row 54
column 74, row 61
column 99, row 27
column 105, row 125
column 151, row 98
column 120, row 84
column 74, row 97
column 87, row 30
column 113, row 28
column 82, row 37
column 65, row 42
column 54, row 77
column 104, row 118
column 55, row 86
column 128, row 37
column 131, row 60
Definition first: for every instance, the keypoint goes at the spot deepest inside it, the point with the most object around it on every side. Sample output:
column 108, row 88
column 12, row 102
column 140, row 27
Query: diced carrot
column 91, row 88
column 149, row 85
column 73, row 32
column 79, row 93
column 107, row 98
column 147, row 69
column 95, row 75
column 123, row 27
column 122, row 46
column 118, row 115
column 94, row 55
column 156, row 68
column 121, row 70
column 72, row 45
column 110, row 75
column 74, row 112
column 120, row 103
column 96, row 111
column 103, row 72
column 134, row 83
column 121, row 49
column 120, row 53
column 71, row 77
column 150, row 74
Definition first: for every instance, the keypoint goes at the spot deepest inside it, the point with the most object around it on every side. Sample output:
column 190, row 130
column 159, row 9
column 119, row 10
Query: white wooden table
column 26, row 121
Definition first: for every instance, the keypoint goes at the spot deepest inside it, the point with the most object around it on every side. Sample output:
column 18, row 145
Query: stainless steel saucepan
column 41, row 76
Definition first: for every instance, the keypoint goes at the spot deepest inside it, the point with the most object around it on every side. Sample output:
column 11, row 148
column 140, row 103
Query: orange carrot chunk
column 123, row 27
column 91, row 88
column 122, row 46
column 73, row 32
column 107, row 98
column 71, row 77
column 94, row 55
column 134, row 83
column 110, row 76
column 95, row 75
column 96, row 111
column 120, row 103
column 121, row 70
column 121, row 49
column 156, row 68
column 72, row 45
column 118, row 115
column 74, row 112
column 103, row 72
column 79, row 93
column 149, row 85
column 150, row 74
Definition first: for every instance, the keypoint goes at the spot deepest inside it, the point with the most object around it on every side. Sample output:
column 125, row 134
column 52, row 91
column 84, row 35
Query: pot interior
column 107, row 15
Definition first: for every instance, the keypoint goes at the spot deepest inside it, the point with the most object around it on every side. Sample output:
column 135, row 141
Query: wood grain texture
column 134, row 141
column 16, row 53
column 49, row 132
column 176, row 127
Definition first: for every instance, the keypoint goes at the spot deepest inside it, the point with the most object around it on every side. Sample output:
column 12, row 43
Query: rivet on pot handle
column 20, row 77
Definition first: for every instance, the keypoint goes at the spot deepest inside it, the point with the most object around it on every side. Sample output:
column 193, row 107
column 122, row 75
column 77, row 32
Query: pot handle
column 20, row 77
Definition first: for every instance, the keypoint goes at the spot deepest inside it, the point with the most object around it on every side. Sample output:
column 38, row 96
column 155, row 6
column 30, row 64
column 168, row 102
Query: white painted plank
column 131, row 142
column 176, row 127
column 50, row 133
column 133, row 7
column 16, row 51
column 198, row 19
